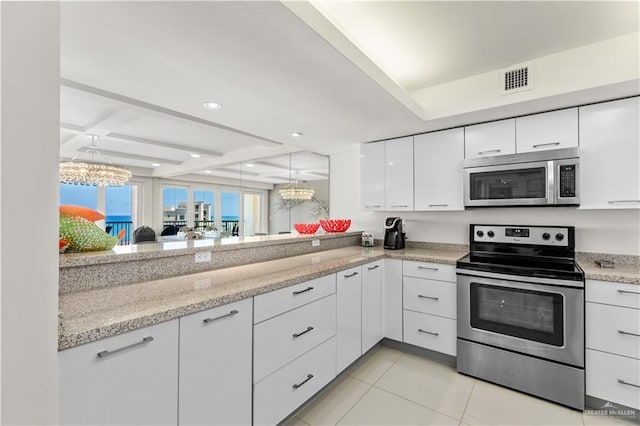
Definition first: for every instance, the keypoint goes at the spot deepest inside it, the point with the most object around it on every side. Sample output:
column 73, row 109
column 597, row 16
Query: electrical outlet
column 315, row 243
column 203, row 256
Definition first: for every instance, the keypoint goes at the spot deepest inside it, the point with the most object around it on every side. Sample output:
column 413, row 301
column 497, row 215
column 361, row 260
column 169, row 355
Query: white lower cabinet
column 372, row 275
column 349, row 317
column 430, row 332
column 127, row 379
column 613, row 378
column 215, row 366
column 392, row 299
column 281, row 393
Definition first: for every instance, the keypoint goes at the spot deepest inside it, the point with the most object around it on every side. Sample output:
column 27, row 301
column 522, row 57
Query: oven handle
column 522, row 279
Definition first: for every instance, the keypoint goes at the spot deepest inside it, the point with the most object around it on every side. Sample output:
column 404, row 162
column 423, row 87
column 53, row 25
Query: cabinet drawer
column 431, row 332
column 549, row 130
column 133, row 381
column 604, row 372
column 432, row 271
column 278, row 395
column 613, row 329
column 282, row 339
column 619, row 294
column 279, row 301
column 430, row 297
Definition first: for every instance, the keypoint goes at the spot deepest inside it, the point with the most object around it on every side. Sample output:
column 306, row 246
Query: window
column 79, row 195
column 174, row 206
column 118, row 210
column 230, row 204
column 203, row 206
column 252, row 219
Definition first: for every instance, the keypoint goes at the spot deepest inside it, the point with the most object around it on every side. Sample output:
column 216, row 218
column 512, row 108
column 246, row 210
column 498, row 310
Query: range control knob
column 546, row 236
column 479, row 233
column 559, row 236
column 490, row 234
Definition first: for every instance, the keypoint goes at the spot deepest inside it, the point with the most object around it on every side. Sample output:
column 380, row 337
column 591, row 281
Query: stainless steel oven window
column 509, row 184
column 527, row 314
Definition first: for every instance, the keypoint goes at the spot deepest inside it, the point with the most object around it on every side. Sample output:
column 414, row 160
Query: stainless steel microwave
column 546, row 178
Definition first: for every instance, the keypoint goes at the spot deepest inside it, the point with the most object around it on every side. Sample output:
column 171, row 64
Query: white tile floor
column 389, row 387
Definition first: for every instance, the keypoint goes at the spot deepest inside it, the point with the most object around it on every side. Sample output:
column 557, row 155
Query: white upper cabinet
column 438, row 158
column 550, row 130
column 372, row 182
column 610, row 155
column 399, row 174
column 495, row 138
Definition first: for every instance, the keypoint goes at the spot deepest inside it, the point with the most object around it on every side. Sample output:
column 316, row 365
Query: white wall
column 30, row 46
column 614, row 231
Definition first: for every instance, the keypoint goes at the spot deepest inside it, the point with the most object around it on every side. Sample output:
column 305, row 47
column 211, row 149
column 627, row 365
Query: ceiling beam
column 128, row 138
column 138, row 157
column 162, row 110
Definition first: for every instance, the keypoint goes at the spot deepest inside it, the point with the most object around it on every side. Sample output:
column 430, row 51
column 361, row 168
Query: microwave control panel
column 567, row 181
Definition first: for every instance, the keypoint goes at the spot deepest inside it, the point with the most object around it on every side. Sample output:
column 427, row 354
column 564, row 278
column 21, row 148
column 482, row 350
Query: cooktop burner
column 534, row 251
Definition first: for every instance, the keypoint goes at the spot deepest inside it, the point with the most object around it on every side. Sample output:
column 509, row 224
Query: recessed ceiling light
column 295, row 134
column 156, row 164
column 207, row 171
column 212, row 105
column 249, row 165
column 195, row 155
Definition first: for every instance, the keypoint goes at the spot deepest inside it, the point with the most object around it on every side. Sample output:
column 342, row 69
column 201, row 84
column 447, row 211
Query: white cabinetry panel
column 613, row 329
column 349, row 305
column 549, row 130
column 438, row 158
column 488, row 139
column 392, row 299
column 619, row 294
column 610, row 155
column 215, row 366
column 372, row 275
column 430, row 332
column 134, row 380
column 604, row 374
column 430, row 297
column 399, row 174
column 372, row 177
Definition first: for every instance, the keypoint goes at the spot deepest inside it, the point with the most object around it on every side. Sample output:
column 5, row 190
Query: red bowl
column 306, row 228
column 335, row 225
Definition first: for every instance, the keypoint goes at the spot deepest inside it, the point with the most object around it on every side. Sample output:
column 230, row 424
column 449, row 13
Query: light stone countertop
column 87, row 316
column 626, row 268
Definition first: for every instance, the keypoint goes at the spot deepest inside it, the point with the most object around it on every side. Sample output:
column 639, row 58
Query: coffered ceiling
column 137, row 74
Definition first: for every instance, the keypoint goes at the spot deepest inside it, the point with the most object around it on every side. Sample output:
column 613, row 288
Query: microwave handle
column 552, row 176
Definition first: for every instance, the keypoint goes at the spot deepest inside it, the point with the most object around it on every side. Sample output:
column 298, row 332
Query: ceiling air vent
column 516, row 79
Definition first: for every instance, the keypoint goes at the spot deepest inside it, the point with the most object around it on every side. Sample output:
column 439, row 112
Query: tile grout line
column 468, row 400
column 355, row 403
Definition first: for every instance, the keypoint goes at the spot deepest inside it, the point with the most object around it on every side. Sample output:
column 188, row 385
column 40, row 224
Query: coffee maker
column 393, row 235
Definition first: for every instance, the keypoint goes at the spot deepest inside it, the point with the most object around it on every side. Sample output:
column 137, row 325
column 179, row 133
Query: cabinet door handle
column 371, row 207
column 210, row 320
column 628, row 292
column 351, row 275
column 400, row 205
column 104, row 354
column 488, row 151
column 302, row 332
column 373, row 267
column 627, row 333
column 297, row 385
column 428, row 268
column 295, row 293
column 623, row 201
column 539, row 145
column 428, row 297
column 438, row 205
column 627, row 383
column 428, row 332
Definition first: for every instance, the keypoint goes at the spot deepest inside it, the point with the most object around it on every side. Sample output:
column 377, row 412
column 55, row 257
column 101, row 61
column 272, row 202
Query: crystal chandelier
column 295, row 190
column 92, row 173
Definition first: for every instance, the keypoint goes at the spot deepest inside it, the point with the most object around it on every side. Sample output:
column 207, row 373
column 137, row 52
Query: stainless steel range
column 521, row 311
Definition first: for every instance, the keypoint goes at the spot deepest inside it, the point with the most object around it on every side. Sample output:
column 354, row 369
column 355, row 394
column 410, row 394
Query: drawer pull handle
column 297, row 385
column 489, row 151
column 371, row 207
column 302, row 332
column 427, row 268
column 630, row 334
column 422, row 296
column 373, row 267
column 210, row 320
column 295, row 293
column 428, row 332
column 627, row 383
column 623, row 201
column 104, row 354
column 628, row 292
column 351, row 275
column 400, row 205
column 438, row 205
column 539, row 145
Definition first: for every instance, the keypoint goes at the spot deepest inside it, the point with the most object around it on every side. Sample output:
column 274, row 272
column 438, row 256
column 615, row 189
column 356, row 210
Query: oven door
column 521, row 315
column 521, row 184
